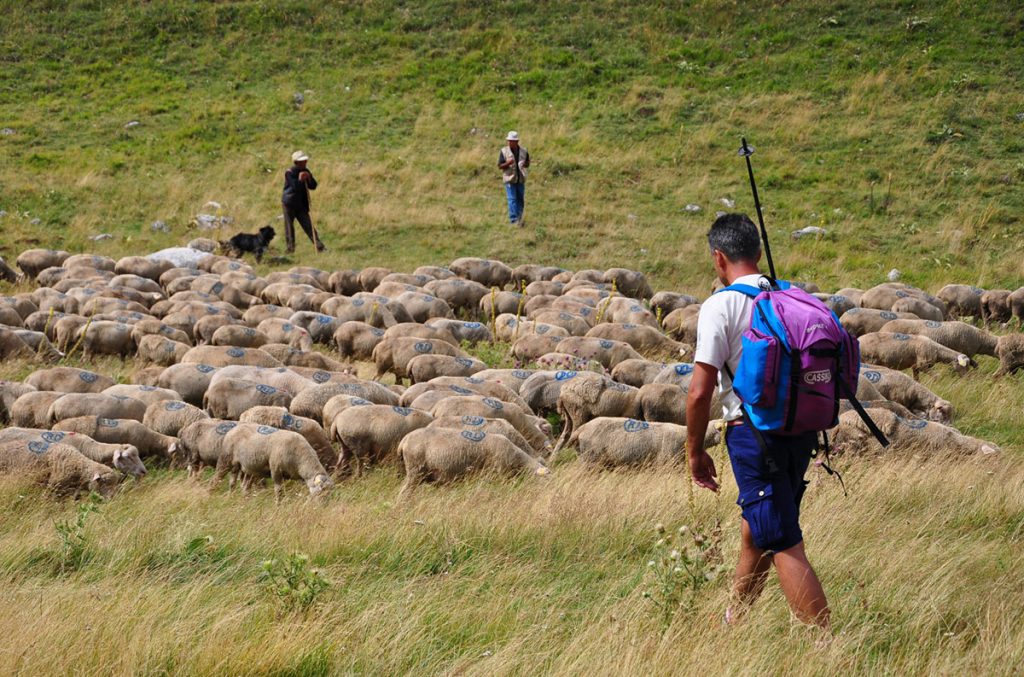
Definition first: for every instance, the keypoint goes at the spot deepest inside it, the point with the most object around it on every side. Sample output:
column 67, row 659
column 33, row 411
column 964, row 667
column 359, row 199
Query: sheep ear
column 963, row 360
column 118, row 455
column 97, row 477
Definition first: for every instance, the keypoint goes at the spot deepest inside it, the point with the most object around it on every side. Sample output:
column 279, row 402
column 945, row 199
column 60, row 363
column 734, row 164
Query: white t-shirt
column 723, row 319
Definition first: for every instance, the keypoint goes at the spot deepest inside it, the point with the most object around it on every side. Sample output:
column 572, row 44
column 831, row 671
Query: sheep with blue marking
column 371, row 434
column 259, row 451
column 616, row 442
column 915, row 352
column 229, row 398
column 441, row 456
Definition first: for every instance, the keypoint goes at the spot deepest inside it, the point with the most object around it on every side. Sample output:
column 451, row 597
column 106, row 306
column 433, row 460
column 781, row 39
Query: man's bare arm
column 698, row 413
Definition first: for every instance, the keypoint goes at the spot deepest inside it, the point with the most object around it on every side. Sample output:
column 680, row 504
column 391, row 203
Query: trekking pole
column 745, row 152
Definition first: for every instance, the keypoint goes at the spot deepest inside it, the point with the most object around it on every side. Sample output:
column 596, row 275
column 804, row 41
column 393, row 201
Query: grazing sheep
column 189, row 380
column 142, row 266
column 513, row 379
column 30, row 409
column 614, row 442
column 208, row 325
column 422, row 306
column 837, row 303
column 861, row 321
column 123, row 431
column 1010, row 351
column 13, row 347
column 664, row 302
column 488, row 272
column 7, row 273
column 510, row 328
column 915, row 306
column 629, row 283
column 239, row 335
column 437, row 455
column 202, row 445
column 60, row 467
column 310, row 402
column 962, row 300
column 73, row 405
column 39, row 344
column 69, row 380
column 160, row 350
column 468, row 385
column 157, row 328
column 488, row 407
column 541, row 390
column 265, row 451
column 681, row 324
column 1016, row 301
column 34, row 261
column 10, row 391
column 257, row 315
column 905, row 436
column 282, row 378
column 608, row 353
column 955, row 335
column 123, row 457
column 636, row 372
column 280, row 330
column 995, row 306
column 501, row 302
column 393, row 355
column 904, row 351
column 530, row 347
column 170, row 416
column 464, row 332
column 898, row 387
column 663, row 402
column 356, row 340
column 555, row 361
column 104, row 337
column 420, row 331
column 497, row 426
column 371, row 434
column 223, row 356
column 304, row 359
column 229, row 398
column 279, row 417
column 645, row 340
column 143, row 393
column 527, row 273
column 426, row 367
column 589, row 396
column 338, row 404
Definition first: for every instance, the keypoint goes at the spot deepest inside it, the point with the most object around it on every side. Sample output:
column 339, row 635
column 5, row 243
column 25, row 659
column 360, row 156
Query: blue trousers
column 516, row 194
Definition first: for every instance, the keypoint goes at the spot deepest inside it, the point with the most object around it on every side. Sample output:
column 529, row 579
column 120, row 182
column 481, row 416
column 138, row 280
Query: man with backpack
column 769, row 468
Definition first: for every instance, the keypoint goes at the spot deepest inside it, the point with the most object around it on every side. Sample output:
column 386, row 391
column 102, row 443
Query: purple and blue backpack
column 797, row 362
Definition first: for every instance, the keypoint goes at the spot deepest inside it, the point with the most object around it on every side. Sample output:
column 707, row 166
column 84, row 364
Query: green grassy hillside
column 893, row 124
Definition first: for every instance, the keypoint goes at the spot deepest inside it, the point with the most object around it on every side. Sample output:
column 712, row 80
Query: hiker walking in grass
column 769, row 468
column 514, row 160
column 298, row 181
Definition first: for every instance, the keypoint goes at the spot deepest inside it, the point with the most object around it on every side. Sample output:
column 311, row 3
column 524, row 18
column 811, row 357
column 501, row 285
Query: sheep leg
column 566, row 432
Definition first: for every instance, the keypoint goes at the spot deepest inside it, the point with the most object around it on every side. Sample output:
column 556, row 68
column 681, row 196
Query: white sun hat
column 299, row 156
column 512, row 136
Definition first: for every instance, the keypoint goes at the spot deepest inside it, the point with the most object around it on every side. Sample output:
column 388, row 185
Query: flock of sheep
column 231, row 380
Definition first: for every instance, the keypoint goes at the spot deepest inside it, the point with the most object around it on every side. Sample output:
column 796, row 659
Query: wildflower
column 659, row 527
column 650, row 563
column 660, row 542
column 674, row 554
column 683, row 529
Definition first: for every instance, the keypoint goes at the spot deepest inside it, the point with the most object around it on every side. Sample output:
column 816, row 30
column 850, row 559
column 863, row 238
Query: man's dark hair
column 736, row 236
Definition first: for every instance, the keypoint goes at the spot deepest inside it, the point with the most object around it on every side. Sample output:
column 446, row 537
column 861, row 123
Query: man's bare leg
column 801, row 586
column 750, row 576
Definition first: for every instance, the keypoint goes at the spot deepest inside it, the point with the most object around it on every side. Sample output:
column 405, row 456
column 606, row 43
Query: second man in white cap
column 298, row 181
column 514, row 160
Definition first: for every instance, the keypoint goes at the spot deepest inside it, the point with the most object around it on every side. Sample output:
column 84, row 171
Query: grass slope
column 629, row 110
column 892, row 124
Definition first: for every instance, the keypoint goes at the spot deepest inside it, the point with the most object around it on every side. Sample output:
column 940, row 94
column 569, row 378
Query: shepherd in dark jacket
column 298, row 181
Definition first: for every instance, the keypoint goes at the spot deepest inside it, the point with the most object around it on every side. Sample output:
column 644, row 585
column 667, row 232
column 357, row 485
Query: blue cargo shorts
column 770, row 503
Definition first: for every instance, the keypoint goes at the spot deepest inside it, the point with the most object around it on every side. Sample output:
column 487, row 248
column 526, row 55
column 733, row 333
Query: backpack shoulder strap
column 745, row 289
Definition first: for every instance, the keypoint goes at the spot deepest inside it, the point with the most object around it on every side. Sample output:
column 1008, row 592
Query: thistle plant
column 293, row 581
column 681, row 564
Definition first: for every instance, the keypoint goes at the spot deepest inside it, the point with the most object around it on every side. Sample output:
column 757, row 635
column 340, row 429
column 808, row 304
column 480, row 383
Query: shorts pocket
column 763, row 516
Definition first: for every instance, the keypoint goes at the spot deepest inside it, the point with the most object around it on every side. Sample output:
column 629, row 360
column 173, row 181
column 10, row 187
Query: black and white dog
column 243, row 243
